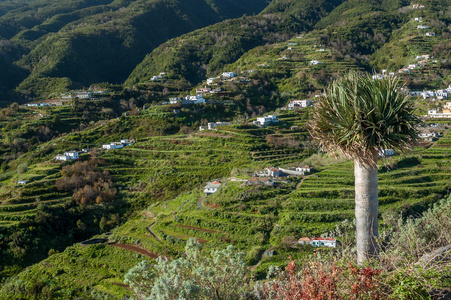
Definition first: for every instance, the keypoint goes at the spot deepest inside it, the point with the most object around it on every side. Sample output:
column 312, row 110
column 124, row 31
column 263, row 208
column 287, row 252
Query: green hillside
column 147, row 198
column 159, row 182
column 78, row 43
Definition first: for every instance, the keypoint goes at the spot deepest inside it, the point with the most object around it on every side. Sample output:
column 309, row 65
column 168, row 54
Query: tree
column 221, row 274
column 359, row 118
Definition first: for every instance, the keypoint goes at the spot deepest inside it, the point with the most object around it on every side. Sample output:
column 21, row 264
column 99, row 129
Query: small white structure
column 265, row 121
column 422, row 27
column 70, row 155
column 323, row 242
column 378, row 76
column 228, row 74
column 22, row 181
column 156, row 77
column 427, row 135
column 211, row 80
column 112, row 146
column 305, row 169
column 318, row 242
column 175, row 100
column 300, row 103
column 430, row 33
column 193, row 99
column 273, row 172
column 314, row 62
column 212, row 187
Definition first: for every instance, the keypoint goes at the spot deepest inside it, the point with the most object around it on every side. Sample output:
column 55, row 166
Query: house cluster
column 422, row 60
column 118, row 145
column 188, row 100
column 295, row 104
column 212, row 187
column 77, row 95
column 228, row 75
column 445, row 112
column 279, row 172
column 428, row 136
column 212, row 125
column 266, row 121
column 441, row 94
column 158, row 77
column 318, row 242
column 69, row 155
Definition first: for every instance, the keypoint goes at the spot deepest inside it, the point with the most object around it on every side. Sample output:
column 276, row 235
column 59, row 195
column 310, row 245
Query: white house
column 212, row 187
column 70, row 155
column 174, row 100
column 427, row 94
column 228, row 74
column 318, row 242
column 422, row 27
column 211, row 80
column 265, row 121
column 430, row 33
column 314, row 62
column 194, row 99
column 305, row 169
column 427, row 135
column 156, row 77
column 323, row 242
column 22, row 181
column 299, row 103
column 212, row 125
column 113, row 145
column 273, row 172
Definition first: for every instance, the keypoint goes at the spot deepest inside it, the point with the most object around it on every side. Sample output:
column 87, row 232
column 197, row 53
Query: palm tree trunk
column 366, row 207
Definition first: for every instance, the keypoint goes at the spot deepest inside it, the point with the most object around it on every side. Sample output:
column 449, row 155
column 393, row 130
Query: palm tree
column 360, row 117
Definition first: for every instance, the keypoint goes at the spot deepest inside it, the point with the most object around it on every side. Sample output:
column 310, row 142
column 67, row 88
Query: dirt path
column 434, row 144
column 149, row 229
column 252, row 268
column 137, row 250
column 300, row 182
column 200, row 204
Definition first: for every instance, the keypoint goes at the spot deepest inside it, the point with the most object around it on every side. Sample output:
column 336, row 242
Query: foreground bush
column 220, row 274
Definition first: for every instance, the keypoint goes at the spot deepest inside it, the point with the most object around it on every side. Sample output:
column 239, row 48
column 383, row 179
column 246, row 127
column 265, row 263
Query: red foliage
column 320, row 281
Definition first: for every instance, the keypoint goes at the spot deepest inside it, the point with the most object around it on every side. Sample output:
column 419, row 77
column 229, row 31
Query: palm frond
column 360, row 116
